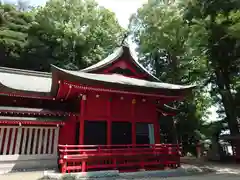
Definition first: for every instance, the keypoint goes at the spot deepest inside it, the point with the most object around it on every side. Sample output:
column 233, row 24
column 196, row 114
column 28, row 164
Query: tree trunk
column 228, row 102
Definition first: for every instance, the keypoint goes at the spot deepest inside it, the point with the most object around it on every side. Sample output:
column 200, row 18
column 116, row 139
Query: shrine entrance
column 121, row 133
column 95, row 133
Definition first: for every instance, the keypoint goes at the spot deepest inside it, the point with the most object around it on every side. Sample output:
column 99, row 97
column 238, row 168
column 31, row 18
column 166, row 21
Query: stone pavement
column 33, row 175
column 223, row 172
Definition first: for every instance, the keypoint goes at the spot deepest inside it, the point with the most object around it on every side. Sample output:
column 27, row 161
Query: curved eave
column 115, row 56
column 6, row 90
column 117, row 81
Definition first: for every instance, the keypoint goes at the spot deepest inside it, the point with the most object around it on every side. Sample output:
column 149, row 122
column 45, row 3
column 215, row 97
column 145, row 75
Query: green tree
column 13, row 34
column 220, row 21
column 71, row 34
column 167, row 43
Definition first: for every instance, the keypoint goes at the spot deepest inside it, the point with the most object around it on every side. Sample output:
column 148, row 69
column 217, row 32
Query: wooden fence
column 26, row 146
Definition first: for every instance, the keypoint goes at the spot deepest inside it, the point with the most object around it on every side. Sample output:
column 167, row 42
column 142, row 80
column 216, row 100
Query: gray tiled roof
column 32, row 81
column 23, row 80
column 120, row 79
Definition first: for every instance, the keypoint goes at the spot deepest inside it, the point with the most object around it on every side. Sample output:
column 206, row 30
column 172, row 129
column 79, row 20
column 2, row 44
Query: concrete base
column 82, row 175
column 140, row 174
column 10, row 163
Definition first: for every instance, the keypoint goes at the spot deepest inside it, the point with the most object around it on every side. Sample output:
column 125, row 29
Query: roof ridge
column 25, row 72
column 114, row 56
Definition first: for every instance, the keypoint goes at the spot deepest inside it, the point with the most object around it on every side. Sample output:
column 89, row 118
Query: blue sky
column 122, row 8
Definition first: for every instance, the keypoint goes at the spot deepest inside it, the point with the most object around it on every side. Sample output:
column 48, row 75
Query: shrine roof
column 118, row 52
column 123, row 80
column 24, row 80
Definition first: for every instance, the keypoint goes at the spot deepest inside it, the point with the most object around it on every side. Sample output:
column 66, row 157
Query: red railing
column 75, row 158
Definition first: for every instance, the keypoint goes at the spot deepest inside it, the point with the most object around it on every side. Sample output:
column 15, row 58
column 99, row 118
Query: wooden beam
column 59, row 91
column 69, row 92
column 156, row 96
column 133, row 108
column 82, row 118
column 109, row 121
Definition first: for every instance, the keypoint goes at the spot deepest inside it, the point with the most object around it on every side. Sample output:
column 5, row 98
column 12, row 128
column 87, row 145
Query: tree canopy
column 197, row 42
column 69, row 33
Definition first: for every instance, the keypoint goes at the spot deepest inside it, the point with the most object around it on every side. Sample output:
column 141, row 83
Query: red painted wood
column 68, row 92
column 82, row 119
column 87, row 157
column 156, row 132
column 121, row 107
column 67, row 132
column 97, row 105
column 133, row 121
column 124, row 65
column 61, row 90
column 109, row 122
column 154, row 96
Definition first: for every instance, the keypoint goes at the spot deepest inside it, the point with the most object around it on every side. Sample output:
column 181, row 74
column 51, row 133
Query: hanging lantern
column 134, row 101
column 84, row 97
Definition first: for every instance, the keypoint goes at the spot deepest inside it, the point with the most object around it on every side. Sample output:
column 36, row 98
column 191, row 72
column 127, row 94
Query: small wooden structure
column 103, row 117
column 235, row 141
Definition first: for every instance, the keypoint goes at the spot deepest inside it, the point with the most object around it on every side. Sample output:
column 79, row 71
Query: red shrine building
column 103, row 117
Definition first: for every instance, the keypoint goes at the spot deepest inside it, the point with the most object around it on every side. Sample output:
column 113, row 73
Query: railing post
column 115, row 163
column 198, row 149
column 63, row 160
column 179, row 154
column 82, row 119
column 133, row 122
column 84, row 163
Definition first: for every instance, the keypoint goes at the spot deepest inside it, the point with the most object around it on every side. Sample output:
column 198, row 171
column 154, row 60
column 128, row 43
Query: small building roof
column 24, row 80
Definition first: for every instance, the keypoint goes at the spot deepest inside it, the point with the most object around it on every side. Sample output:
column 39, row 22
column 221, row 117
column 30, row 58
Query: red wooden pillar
column 109, row 122
column 156, row 132
column 81, row 119
column 133, row 122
